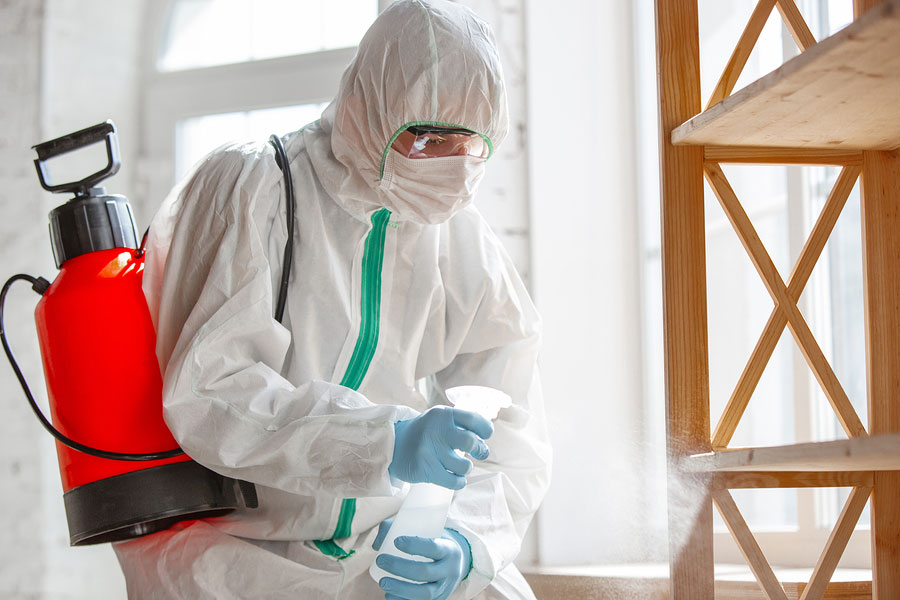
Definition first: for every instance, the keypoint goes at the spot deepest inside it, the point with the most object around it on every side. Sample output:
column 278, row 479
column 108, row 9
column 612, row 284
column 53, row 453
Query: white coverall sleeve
column 496, row 344
column 209, row 288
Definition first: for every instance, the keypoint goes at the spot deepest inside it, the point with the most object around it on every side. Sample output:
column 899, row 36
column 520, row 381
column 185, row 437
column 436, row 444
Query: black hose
column 281, row 160
column 143, row 247
column 40, row 285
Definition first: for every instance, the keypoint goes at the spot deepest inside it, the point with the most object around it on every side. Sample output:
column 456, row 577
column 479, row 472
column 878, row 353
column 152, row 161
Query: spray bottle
column 424, row 510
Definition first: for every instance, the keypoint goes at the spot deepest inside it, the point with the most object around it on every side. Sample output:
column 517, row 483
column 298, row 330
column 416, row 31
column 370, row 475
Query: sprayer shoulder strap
column 281, row 160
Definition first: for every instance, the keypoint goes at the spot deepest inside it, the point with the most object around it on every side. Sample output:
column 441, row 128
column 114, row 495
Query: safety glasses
column 427, row 141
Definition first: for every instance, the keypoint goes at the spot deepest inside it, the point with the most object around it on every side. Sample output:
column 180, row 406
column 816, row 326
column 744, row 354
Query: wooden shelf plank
column 840, row 94
column 651, row 582
column 868, row 453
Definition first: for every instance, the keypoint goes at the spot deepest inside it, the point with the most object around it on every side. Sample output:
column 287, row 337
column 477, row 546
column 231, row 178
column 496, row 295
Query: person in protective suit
column 396, row 279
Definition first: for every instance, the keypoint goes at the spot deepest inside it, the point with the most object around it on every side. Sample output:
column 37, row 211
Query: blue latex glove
column 451, row 560
column 423, row 446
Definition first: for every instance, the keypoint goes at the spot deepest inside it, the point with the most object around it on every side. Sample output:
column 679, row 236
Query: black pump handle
column 73, row 141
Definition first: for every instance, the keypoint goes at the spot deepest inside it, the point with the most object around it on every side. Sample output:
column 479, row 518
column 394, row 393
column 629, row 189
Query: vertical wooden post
column 881, row 277
column 684, row 302
column 861, row 6
column 881, row 284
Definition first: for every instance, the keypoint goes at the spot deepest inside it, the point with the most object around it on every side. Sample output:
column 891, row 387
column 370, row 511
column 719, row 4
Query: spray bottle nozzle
column 105, row 131
column 485, row 401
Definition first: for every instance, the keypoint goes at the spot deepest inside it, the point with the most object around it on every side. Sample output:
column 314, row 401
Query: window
column 229, row 70
column 203, row 33
column 197, row 136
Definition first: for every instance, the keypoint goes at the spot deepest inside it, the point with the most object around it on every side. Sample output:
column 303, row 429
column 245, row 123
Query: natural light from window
column 204, row 33
column 197, row 136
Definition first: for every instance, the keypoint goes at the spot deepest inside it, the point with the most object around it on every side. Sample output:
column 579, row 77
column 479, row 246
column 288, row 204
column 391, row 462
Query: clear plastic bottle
column 424, row 510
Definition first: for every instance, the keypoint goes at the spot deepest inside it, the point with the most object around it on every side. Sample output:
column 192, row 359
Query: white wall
column 503, row 194
column 22, row 249
column 67, row 64
column 91, row 57
column 586, row 274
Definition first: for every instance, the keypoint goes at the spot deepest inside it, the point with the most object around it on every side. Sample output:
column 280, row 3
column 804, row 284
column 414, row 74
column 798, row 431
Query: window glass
column 739, row 305
column 203, row 33
column 721, row 24
column 763, row 509
column 197, row 136
column 840, row 14
column 738, row 308
column 835, row 290
column 836, row 287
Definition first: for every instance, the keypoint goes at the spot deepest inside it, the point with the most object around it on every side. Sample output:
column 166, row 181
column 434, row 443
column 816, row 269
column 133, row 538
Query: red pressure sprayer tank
column 96, row 341
column 122, row 472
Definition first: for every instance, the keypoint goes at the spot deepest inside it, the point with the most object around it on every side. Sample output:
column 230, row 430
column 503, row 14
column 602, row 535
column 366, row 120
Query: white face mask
column 429, row 190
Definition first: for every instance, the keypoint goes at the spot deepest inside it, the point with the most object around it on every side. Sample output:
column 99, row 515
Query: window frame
column 171, row 96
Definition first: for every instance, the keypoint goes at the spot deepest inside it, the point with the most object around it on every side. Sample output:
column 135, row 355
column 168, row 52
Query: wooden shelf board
column 840, row 94
column 651, row 582
column 869, row 453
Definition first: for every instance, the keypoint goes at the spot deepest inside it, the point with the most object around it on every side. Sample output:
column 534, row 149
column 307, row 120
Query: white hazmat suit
column 395, row 280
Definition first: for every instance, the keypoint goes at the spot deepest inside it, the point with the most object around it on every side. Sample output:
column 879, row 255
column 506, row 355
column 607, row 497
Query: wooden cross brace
column 795, row 24
column 785, row 312
column 828, row 560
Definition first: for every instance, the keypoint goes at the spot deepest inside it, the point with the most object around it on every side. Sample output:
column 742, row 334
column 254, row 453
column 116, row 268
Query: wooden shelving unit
column 837, row 103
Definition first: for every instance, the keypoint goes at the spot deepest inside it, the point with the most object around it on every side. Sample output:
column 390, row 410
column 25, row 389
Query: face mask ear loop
column 388, row 148
column 387, row 169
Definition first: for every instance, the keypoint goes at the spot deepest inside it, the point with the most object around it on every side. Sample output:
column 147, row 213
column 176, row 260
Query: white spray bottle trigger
column 424, row 511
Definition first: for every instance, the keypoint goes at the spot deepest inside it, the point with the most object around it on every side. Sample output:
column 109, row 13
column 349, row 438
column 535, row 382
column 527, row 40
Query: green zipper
column 345, row 519
column 373, row 257
column 370, row 302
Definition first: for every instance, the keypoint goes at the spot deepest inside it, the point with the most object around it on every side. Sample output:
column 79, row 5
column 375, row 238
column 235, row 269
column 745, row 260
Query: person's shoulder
column 233, row 172
column 470, row 240
column 470, row 225
column 233, row 158
column 250, row 165
column 466, row 221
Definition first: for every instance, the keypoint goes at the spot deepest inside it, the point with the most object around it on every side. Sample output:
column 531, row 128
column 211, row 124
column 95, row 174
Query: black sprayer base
column 141, row 502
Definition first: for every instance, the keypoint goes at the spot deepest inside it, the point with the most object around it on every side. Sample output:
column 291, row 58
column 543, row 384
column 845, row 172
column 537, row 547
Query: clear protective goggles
column 432, row 141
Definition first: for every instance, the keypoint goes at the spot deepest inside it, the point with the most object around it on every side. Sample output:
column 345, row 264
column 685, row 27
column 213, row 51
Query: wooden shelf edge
column 702, row 128
column 868, row 453
column 651, row 582
column 781, row 155
column 733, row 480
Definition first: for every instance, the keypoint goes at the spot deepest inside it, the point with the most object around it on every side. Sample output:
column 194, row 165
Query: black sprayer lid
column 92, row 220
column 91, row 223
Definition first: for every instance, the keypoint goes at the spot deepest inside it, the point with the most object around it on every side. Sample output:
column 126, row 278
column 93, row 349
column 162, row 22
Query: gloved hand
column 424, row 446
column 451, row 560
